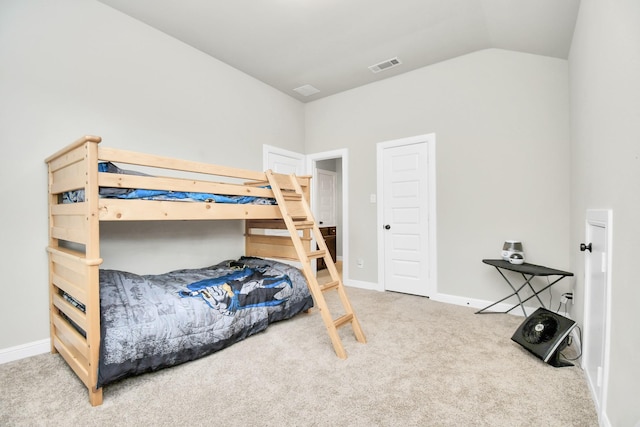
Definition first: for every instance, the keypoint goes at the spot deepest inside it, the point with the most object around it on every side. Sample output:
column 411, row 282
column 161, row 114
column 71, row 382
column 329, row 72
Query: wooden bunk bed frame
column 74, row 235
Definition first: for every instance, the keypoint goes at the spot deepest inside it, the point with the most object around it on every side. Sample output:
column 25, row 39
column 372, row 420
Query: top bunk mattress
column 77, row 196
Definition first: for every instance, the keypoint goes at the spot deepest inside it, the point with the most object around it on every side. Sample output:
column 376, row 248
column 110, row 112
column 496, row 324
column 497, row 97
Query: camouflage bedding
column 156, row 321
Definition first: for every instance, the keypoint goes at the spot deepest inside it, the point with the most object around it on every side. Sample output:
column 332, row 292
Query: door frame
column 430, row 140
column 599, row 218
column 344, row 201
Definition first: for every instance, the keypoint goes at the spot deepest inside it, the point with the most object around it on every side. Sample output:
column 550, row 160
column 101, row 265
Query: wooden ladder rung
column 343, row 320
column 303, row 225
column 291, row 196
column 330, row 286
column 316, row 254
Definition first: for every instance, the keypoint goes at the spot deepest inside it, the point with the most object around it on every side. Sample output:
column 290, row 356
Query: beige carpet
column 425, row 364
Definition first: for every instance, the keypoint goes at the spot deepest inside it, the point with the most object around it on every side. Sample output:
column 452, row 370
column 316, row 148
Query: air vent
column 306, row 90
column 385, row 65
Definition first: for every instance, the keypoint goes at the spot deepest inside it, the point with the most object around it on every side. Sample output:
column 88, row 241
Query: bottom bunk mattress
column 156, row 321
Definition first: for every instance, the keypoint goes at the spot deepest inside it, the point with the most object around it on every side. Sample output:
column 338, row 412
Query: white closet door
column 326, row 193
column 406, row 238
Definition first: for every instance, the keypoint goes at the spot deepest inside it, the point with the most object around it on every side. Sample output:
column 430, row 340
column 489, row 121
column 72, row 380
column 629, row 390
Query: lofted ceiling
column 330, row 44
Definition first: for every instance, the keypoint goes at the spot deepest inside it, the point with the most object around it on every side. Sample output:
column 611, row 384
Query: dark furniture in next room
column 329, row 234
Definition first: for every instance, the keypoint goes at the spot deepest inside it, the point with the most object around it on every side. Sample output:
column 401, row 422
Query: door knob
column 584, row 247
column 387, row 227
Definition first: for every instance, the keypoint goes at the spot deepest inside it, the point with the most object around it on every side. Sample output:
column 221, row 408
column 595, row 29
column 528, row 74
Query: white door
column 326, row 186
column 596, row 318
column 282, row 161
column 405, row 211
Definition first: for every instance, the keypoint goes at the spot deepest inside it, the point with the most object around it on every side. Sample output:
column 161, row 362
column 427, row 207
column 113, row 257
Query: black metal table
column 526, row 269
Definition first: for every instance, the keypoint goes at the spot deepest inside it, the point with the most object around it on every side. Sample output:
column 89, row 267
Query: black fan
column 545, row 334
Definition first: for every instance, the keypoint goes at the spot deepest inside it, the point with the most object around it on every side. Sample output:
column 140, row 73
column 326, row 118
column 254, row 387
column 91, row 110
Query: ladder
column 298, row 217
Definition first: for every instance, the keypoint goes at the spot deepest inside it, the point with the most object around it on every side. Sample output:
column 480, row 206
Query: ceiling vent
column 306, row 90
column 385, row 65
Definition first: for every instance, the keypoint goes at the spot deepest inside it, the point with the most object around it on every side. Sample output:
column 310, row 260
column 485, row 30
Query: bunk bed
column 90, row 184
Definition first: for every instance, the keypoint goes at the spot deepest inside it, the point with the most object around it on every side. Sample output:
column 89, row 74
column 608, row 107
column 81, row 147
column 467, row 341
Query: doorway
column 327, row 167
column 406, row 215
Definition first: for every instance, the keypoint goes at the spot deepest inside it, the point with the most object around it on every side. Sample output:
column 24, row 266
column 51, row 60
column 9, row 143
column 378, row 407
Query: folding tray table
column 526, row 269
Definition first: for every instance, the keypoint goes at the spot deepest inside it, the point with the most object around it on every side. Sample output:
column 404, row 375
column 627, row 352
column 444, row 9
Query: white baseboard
column 451, row 299
column 480, row 304
column 25, row 350
column 363, row 285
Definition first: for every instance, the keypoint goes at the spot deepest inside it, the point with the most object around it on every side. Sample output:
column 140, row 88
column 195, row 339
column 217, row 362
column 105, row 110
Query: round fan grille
column 540, row 329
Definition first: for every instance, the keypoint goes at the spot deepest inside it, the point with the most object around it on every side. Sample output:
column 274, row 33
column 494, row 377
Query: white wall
column 70, row 68
column 605, row 111
column 501, row 121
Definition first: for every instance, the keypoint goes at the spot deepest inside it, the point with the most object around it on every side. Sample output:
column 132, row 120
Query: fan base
column 556, row 362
